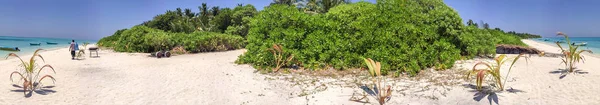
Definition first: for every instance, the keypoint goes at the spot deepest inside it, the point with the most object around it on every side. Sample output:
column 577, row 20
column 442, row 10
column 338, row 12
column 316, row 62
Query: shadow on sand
column 564, row 72
column 488, row 93
column 45, row 90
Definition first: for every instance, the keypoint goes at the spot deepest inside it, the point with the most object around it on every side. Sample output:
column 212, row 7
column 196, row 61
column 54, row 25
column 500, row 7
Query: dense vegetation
column 405, row 35
column 217, row 29
column 146, row 39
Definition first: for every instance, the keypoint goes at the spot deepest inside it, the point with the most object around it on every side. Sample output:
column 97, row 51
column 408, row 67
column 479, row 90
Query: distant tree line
column 221, row 20
column 487, row 27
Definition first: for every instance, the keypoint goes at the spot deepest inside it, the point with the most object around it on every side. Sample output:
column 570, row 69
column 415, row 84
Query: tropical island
column 312, row 52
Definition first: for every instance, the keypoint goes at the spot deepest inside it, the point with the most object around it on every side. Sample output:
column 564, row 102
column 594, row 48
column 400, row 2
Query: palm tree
column 308, row 5
column 203, row 10
column 179, row 12
column 203, row 19
column 284, row 2
column 215, row 11
column 486, row 26
column 328, row 4
column 188, row 12
column 470, row 23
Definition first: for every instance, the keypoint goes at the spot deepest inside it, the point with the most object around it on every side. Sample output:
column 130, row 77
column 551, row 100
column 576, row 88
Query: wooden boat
column 546, row 40
column 51, row 43
column 560, row 41
column 10, row 48
column 35, row 44
column 580, row 44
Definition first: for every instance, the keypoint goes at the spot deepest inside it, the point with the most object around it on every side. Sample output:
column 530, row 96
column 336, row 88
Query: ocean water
column 23, row 44
column 593, row 43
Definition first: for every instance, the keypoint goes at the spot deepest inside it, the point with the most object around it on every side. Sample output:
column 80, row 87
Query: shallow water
column 23, row 43
column 593, row 43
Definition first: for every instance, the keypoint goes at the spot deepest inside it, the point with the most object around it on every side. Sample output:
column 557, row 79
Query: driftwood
column 513, row 49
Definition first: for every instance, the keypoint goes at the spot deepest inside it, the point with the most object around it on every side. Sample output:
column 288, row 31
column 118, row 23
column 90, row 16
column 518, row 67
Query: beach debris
column 514, row 49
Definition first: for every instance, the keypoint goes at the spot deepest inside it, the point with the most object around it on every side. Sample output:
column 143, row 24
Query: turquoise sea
column 23, row 44
column 593, row 43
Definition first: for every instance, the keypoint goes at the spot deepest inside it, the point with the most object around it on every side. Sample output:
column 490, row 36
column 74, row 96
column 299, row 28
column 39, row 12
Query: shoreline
column 29, row 54
column 553, row 48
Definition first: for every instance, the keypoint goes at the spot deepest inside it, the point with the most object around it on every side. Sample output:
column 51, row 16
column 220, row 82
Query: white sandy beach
column 214, row 79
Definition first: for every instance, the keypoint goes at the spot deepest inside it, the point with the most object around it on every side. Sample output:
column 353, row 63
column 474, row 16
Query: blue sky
column 94, row 19
column 543, row 17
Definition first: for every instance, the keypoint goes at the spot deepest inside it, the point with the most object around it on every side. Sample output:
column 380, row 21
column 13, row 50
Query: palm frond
column 43, row 77
column 48, row 66
column 11, row 75
column 15, row 55
column 36, row 54
column 485, row 64
column 480, row 77
column 370, row 65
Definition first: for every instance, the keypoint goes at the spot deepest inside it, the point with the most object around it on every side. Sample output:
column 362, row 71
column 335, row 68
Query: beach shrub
column 111, row 41
column 403, row 39
column 493, row 69
column 471, row 42
column 482, row 42
column 571, row 55
column 139, row 39
column 31, row 78
column 208, row 42
column 145, row 39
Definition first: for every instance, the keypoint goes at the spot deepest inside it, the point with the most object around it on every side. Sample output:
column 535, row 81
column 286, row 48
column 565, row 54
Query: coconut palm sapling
column 31, row 79
column 493, row 70
column 571, row 55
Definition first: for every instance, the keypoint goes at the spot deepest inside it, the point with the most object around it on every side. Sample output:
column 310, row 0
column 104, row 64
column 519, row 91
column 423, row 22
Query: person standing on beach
column 72, row 49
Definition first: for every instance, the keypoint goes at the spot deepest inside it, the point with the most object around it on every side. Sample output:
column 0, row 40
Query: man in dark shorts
column 72, row 49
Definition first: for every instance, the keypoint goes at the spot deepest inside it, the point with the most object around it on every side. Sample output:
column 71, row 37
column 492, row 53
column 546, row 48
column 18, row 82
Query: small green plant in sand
column 31, row 79
column 82, row 51
column 380, row 92
column 571, row 55
column 279, row 54
column 493, row 70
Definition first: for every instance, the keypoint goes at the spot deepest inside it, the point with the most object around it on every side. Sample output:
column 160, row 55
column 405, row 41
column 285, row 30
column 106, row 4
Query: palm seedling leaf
column 370, row 65
column 378, row 68
column 500, row 59
column 559, row 46
column 11, row 76
column 489, row 67
column 15, row 55
column 43, row 77
column 36, row 54
column 45, row 66
column 290, row 58
column 480, row 77
column 277, row 47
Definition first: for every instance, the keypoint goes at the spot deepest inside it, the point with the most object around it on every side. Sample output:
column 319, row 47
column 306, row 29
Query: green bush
column 145, row 39
column 403, row 39
column 208, row 42
column 471, row 43
column 110, row 41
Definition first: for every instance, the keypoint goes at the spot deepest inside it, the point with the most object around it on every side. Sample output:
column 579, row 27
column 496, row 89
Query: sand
column 214, row 79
